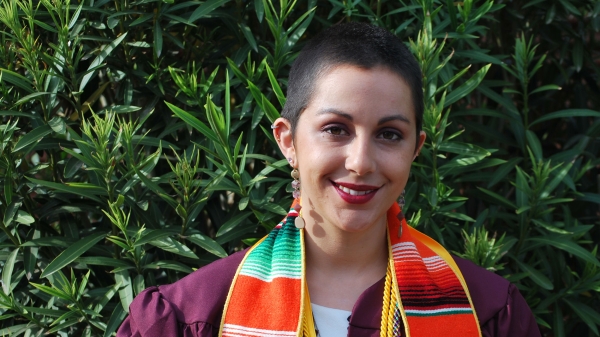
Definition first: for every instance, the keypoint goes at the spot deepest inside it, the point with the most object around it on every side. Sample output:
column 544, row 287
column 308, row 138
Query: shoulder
column 191, row 306
column 489, row 291
column 500, row 308
column 201, row 295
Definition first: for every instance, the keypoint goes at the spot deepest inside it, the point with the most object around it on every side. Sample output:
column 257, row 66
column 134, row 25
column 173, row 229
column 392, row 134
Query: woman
column 343, row 262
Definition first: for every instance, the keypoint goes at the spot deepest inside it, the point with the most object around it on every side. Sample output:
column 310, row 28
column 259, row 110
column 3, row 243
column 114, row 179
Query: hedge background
column 135, row 145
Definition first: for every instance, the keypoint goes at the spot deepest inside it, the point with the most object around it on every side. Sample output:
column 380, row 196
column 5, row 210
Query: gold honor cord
column 387, row 315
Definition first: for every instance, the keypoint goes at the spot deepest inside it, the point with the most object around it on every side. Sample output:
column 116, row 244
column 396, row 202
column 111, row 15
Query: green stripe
column 445, row 313
column 280, row 253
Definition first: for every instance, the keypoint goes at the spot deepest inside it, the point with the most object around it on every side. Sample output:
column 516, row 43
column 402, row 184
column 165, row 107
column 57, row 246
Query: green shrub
column 135, row 145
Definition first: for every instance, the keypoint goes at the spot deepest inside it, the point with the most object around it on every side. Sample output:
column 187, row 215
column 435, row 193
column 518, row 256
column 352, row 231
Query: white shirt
column 331, row 322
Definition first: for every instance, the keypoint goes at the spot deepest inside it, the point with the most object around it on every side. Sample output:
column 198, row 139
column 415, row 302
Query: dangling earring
column 401, row 202
column 296, row 183
column 299, row 221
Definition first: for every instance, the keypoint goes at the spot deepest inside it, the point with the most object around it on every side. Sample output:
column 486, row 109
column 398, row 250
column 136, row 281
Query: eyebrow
column 349, row 117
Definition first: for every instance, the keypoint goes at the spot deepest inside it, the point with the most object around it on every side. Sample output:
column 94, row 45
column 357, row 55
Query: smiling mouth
column 355, row 194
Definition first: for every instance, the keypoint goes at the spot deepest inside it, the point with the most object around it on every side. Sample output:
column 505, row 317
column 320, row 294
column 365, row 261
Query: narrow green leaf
column 207, row 244
column 30, row 97
column 104, row 52
column 534, row 145
column 567, row 114
column 52, row 291
column 33, row 136
column 46, row 312
column 248, row 34
column 466, row 88
column 71, row 253
column 15, row 330
column 275, row 85
column 11, row 211
column 591, row 197
column 83, row 189
column 173, row 265
column 546, row 88
column 564, row 243
column 115, row 320
column 158, row 38
column 24, row 218
column 123, row 281
column 463, row 148
column 560, row 176
column 170, row 245
column 155, row 234
column 193, row 122
column 232, row 223
column 102, row 261
column 17, row 80
column 242, row 205
column 206, row 8
column 458, row 216
column 75, row 16
column 12, row 113
column 498, row 198
column 536, row 276
column 50, row 241
column 588, row 315
column 7, row 271
column 503, row 171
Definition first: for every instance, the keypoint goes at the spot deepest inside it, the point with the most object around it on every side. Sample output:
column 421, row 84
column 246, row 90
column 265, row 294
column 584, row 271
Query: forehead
column 360, row 90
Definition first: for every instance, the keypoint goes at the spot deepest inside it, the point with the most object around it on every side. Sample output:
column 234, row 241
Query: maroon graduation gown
column 192, row 306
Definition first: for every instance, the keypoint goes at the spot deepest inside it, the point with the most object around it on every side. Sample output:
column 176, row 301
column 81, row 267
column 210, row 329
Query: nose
column 360, row 156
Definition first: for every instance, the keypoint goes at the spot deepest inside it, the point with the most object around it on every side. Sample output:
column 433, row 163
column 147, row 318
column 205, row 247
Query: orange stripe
column 265, row 306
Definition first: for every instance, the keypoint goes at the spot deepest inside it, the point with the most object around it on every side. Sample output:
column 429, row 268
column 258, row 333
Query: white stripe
column 270, row 279
column 407, row 254
column 435, row 264
column 266, row 269
column 255, row 331
column 436, row 268
column 405, row 244
column 436, row 311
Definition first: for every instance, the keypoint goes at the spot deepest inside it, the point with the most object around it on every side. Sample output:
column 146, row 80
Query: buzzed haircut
column 358, row 44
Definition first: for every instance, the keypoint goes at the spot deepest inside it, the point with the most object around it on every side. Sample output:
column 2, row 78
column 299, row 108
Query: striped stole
column 267, row 295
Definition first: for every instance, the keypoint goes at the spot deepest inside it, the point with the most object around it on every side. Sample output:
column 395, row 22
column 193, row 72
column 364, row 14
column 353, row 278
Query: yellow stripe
column 395, row 286
column 305, row 308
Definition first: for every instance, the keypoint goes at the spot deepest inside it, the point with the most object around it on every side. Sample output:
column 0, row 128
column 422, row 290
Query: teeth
column 353, row 192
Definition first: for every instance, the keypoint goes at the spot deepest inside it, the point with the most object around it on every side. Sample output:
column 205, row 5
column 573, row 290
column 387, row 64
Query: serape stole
column 268, row 296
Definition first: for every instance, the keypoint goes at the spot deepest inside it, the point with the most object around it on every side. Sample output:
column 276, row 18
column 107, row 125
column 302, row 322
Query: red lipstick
column 355, row 194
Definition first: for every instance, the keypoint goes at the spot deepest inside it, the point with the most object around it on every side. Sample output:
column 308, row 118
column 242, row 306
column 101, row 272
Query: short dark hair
column 359, row 44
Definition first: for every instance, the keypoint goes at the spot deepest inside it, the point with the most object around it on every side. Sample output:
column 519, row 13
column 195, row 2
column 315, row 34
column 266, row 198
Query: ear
column 282, row 131
column 421, row 141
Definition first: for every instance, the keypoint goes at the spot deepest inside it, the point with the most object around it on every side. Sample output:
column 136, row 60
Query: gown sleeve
column 190, row 307
column 151, row 315
column 501, row 309
column 515, row 319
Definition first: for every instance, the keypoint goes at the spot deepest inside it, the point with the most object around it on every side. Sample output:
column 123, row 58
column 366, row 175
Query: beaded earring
column 401, row 202
column 296, row 183
column 299, row 221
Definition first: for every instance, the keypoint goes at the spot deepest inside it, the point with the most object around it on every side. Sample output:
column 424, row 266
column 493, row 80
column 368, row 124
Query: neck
column 346, row 251
column 332, row 250
column 340, row 264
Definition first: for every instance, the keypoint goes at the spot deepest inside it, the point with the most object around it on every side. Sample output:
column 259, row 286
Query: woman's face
column 353, row 145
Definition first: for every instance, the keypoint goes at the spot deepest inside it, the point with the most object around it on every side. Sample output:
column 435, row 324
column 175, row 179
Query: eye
column 335, row 130
column 390, row 135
